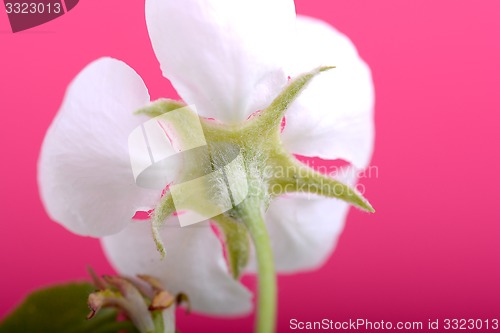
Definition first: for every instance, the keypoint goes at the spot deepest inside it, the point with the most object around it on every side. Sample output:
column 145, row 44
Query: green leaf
column 62, row 308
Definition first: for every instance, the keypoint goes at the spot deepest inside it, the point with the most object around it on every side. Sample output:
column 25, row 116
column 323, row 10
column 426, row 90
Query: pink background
column 432, row 250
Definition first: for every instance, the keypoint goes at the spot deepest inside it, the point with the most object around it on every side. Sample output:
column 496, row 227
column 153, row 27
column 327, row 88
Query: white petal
column 84, row 171
column 194, row 264
column 224, row 56
column 333, row 118
column 304, row 229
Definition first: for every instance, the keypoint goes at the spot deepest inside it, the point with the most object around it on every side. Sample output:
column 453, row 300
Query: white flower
column 230, row 59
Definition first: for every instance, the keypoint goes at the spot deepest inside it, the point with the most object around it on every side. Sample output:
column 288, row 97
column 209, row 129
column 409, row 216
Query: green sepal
column 62, row 309
column 299, row 178
column 270, row 119
column 188, row 128
column 237, row 243
column 160, row 107
column 162, row 211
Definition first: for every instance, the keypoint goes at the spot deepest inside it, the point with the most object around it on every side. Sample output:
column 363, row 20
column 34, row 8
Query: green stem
column 266, row 302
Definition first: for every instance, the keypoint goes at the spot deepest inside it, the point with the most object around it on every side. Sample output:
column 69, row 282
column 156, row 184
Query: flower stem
column 266, row 302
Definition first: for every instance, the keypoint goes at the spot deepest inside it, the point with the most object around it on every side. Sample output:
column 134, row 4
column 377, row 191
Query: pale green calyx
column 242, row 160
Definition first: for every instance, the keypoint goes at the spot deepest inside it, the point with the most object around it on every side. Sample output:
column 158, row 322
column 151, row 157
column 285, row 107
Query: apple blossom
column 244, row 64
